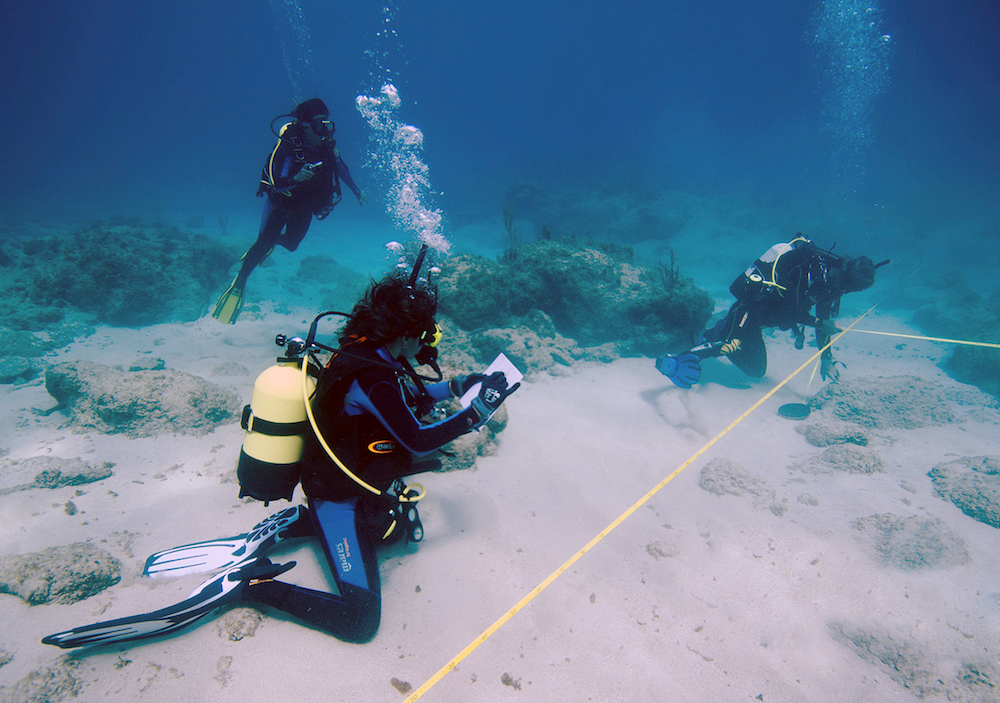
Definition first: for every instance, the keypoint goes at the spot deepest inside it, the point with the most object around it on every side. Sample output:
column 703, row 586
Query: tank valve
column 295, row 346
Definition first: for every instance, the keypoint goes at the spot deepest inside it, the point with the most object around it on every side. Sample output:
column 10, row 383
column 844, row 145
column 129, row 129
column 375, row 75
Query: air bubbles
column 854, row 50
column 295, row 41
column 408, row 136
column 396, row 153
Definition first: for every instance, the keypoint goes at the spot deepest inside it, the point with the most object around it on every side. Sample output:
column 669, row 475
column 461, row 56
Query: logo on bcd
column 344, row 554
column 382, row 446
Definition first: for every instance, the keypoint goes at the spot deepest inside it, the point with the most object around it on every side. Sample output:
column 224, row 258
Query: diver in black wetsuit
column 779, row 290
column 367, row 405
column 301, row 178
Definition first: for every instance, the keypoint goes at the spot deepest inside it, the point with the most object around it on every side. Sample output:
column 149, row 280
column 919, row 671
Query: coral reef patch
column 120, row 273
column 139, row 403
column 973, row 485
column 49, row 684
column 723, row 477
column 59, row 574
column 912, row 543
column 828, row 433
column 847, row 458
column 904, row 402
column 912, row 665
column 53, row 472
column 588, row 292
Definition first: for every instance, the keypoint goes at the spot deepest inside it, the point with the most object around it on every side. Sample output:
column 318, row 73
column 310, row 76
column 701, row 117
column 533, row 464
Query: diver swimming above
column 780, row 289
column 362, row 435
column 301, row 178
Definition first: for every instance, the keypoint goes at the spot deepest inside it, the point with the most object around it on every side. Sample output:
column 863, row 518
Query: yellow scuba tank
column 275, row 424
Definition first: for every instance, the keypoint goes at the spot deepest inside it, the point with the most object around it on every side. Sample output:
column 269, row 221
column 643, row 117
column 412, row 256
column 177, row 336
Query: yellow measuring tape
column 932, row 339
column 488, row 632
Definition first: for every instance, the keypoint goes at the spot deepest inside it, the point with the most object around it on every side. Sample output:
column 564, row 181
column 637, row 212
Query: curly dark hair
column 392, row 308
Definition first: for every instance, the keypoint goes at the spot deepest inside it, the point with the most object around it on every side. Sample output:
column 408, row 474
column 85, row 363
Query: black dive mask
column 322, row 127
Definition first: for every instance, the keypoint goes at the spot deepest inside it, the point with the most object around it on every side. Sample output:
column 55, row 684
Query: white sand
column 695, row 597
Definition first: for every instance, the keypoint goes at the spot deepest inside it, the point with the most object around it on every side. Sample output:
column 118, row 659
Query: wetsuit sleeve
column 384, row 399
column 344, row 173
column 438, row 391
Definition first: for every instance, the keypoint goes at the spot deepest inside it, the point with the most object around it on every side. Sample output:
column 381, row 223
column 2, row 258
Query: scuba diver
column 362, row 434
column 780, row 289
column 301, row 178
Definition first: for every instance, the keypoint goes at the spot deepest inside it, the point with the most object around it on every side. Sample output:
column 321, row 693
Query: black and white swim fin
column 218, row 590
column 212, row 555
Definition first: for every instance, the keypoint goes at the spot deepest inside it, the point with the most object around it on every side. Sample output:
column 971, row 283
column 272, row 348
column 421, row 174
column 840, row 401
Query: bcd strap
column 252, row 423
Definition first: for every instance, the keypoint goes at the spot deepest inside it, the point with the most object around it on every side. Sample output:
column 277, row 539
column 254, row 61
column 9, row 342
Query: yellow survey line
column 932, row 339
column 488, row 632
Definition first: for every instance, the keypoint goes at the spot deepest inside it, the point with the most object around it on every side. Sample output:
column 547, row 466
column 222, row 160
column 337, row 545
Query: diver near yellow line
column 780, row 289
column 367, row 406
column 301, row 179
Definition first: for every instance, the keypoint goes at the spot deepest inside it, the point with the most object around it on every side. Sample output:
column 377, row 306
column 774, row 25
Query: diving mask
column 431, row 336
column 322, row 127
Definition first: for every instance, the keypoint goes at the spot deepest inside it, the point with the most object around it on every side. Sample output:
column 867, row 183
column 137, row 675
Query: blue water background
column 161, row 110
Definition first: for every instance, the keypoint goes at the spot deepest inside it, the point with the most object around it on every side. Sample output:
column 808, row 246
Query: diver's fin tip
column 229, row 305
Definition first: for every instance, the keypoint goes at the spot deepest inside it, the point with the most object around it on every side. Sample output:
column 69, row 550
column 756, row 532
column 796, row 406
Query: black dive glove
column 460, row 385
column 492, row 393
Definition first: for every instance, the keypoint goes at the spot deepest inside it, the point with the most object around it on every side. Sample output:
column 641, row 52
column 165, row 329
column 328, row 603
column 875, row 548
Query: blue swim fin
column 684, row 369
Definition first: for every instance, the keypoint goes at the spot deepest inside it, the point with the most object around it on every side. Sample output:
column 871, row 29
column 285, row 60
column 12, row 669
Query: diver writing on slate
column 350, row 444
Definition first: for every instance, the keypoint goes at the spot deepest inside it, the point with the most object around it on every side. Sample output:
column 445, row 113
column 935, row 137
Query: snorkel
column 416, row 265
column 429, row 338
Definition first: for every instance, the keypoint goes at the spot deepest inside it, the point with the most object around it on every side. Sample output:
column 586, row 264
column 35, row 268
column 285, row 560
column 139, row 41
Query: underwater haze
column 882, row 113
column 590, row 178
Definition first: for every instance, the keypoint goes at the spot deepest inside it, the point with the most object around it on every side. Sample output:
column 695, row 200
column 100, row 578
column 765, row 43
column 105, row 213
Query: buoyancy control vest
column 787, row 280
column 361, row 441
column 320, row 191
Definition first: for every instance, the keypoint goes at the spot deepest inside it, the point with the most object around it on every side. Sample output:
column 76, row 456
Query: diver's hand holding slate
column 493, row 391
column 501, row 363
column 461, row 385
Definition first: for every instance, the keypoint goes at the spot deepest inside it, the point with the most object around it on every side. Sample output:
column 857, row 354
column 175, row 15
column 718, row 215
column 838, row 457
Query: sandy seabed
column 771, row 595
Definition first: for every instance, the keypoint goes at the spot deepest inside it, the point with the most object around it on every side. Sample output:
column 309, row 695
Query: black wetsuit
column 365, row 413
column 289, row 206
column 779, row 290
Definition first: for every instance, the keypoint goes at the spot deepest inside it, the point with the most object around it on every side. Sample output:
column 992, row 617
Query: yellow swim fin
column 230, row 305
